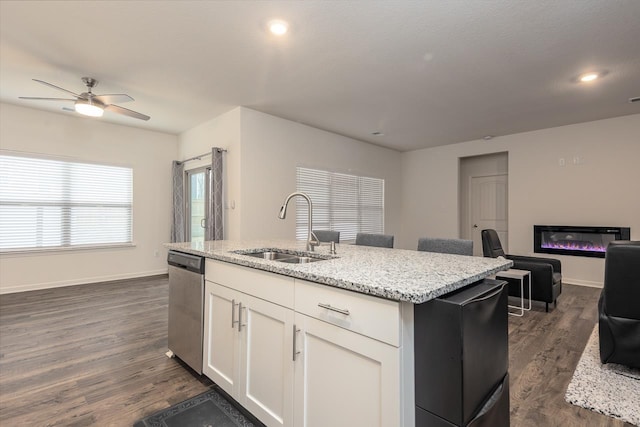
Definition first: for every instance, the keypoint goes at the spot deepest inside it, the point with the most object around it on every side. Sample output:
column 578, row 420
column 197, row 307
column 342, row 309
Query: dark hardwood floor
column 89, row 355
column 95, row 355
column 544, row 349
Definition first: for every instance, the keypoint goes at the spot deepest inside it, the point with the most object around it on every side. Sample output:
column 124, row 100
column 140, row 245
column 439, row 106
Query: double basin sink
column 280, row 256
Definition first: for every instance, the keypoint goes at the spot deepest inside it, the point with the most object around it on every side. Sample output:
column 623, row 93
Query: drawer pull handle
column 337, row 310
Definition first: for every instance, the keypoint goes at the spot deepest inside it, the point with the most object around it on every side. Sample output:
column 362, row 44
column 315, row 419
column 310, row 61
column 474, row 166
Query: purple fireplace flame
column 575, row 246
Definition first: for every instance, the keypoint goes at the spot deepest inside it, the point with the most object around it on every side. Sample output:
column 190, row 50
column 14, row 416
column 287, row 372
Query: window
column 47, row 203
column 346, row 203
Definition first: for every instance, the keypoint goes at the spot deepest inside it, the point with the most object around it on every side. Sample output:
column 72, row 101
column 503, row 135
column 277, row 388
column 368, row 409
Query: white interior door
column 488, row 205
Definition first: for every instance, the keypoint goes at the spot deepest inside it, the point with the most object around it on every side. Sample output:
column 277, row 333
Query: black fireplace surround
column 576, row 240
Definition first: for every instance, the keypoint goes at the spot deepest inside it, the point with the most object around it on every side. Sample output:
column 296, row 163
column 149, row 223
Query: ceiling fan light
column 87, row 108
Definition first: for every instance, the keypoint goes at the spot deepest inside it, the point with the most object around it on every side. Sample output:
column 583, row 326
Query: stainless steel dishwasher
column 186, row 308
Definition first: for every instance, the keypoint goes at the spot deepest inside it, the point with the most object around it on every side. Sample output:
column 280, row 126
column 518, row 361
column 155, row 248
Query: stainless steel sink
column 282, row 256
column 300, row 260
column 270, row 255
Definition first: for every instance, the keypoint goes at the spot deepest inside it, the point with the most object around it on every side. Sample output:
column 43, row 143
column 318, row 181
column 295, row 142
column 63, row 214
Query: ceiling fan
column 93, row 105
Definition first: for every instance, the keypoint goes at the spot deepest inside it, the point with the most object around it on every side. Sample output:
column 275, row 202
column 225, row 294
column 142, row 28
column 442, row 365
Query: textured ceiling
column 424, row 73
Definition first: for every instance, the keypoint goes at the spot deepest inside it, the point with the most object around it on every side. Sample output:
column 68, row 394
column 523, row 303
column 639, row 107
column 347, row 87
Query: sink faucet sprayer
column 312, row 240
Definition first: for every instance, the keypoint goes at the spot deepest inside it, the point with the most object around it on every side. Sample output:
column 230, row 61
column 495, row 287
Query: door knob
column 475, row 225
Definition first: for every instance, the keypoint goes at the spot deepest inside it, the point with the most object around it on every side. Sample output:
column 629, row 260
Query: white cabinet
column 248, row 351
column 222, row 340
column 296, row 353
column 348, row 358
column 344, row 378
column 266, row 367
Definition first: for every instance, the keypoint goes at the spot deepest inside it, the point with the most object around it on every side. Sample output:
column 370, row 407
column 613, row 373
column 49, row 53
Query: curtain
column 215, row 221
column 178, row 220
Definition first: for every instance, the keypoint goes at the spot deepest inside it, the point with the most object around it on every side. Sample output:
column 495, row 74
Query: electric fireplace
column 575, row 240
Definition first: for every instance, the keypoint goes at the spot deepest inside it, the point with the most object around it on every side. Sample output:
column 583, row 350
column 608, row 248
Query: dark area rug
column 209, row 409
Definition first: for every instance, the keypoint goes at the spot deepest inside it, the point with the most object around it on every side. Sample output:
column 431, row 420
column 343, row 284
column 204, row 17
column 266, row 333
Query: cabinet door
column 266, row 372
column 222, row 341
column 343, row 378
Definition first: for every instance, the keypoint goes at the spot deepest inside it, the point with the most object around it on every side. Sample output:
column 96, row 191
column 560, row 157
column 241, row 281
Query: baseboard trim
column 81, row 281
column 587, row 283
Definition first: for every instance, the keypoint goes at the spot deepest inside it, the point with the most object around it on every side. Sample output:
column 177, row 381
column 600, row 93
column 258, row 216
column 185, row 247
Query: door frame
column 480, row 165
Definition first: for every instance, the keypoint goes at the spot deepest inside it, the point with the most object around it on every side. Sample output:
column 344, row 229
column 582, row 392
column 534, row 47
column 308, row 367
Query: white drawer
column 262, row 284
column 367, row 315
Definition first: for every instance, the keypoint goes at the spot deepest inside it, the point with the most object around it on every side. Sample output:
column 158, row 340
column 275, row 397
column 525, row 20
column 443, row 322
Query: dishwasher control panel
column 189, row 262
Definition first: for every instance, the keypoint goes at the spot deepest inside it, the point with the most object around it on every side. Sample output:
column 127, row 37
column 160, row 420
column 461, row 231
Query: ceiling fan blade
column 113, row 98
column 126, row 112
column 46, row 99
column 56, row 87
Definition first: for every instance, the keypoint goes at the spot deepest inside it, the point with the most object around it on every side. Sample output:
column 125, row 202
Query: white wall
column 272, row 148
column 263, row 152
column 148, row 153
column 260, row 170
column 603, row 190
column 223, row 132
column 421, row 191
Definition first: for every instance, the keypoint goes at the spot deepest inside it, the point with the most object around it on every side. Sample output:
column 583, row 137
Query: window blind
column 346, row 203
column 48, row 203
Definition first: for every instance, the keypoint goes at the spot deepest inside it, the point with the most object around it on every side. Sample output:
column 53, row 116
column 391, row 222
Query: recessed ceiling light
column 278, row 27
column 377, row 133
column 487, row 137
column 589, row 77
column 427, row 57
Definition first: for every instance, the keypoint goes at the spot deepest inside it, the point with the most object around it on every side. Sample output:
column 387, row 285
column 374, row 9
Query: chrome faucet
column 312, row 240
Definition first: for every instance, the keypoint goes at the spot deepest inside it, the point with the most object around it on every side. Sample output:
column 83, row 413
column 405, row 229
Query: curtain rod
column 200, row 156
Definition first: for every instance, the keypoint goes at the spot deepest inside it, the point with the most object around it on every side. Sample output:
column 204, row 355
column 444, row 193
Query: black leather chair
column 619, row 305
column 546, row 273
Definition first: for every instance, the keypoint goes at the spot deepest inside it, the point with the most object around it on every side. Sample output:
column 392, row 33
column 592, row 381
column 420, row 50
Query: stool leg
column 547, row 307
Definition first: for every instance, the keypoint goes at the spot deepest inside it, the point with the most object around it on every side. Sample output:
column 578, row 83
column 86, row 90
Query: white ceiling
column 425, row 73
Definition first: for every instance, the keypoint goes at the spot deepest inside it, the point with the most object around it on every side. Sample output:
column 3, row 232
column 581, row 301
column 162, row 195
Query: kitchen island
column 399, row 275
column 322, row 343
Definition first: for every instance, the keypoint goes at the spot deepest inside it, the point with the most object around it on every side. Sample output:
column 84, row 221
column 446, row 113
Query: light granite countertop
column 395, row 274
